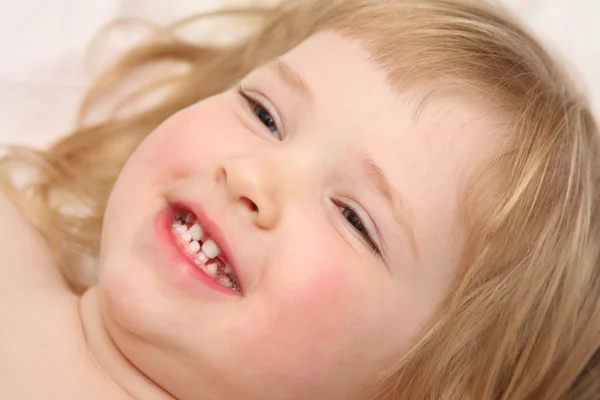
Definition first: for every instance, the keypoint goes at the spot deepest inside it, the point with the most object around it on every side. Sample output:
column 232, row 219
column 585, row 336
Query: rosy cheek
column 180, row 141
column 305, row 322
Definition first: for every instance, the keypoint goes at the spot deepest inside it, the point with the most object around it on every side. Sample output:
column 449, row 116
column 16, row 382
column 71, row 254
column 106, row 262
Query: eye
column 262, row 113
column 354, row 220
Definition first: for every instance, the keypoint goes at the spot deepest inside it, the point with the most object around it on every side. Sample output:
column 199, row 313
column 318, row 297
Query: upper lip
column 212, row 230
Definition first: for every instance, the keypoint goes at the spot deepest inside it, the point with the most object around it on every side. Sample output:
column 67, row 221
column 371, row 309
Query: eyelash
column 358, row 225
column 255, row 104
column 361, row 229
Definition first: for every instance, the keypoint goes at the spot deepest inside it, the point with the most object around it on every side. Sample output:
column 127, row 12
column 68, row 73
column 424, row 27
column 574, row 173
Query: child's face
column 320, row 310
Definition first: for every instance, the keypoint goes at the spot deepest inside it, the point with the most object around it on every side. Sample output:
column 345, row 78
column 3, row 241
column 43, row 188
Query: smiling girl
column 390, row 199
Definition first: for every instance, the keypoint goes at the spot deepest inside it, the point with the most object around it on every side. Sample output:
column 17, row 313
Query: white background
column 43, row 42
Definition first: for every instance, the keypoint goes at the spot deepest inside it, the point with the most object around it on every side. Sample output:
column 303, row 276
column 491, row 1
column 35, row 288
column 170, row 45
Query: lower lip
column 162, row 227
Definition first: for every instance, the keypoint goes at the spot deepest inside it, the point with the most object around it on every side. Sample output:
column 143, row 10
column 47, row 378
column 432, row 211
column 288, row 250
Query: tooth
column 211, row 269
column 210, row 248
column 186, row 237
column 201, row 257
column 196, row 232
column 225, row 281
column 179, row 228
column 194, row 247
column 227, row 269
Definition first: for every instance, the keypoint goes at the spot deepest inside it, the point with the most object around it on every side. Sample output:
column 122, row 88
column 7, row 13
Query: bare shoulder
column 42, row 347
column 34, row 302
column 25, row 260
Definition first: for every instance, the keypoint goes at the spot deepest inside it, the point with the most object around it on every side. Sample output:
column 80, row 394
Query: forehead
column 352, row 97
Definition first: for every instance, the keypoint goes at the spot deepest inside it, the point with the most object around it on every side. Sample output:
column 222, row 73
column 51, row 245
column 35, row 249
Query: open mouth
column 202, row 250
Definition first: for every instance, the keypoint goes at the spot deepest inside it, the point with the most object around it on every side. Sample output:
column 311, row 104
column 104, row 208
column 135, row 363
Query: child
column 391, row 199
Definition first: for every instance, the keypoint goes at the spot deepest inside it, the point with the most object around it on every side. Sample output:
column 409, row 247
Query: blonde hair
column 523, row 320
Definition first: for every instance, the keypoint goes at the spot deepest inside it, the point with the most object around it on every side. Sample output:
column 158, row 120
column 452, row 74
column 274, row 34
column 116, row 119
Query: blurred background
column 43, row 44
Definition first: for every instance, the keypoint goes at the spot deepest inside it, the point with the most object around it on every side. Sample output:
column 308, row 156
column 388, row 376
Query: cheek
column 174, row 148
column 315, row 321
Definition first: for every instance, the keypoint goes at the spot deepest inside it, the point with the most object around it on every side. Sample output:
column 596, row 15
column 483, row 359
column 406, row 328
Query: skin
column 320, row 313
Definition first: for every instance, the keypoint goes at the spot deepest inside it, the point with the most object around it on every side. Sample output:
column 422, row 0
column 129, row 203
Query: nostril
column 251, row 205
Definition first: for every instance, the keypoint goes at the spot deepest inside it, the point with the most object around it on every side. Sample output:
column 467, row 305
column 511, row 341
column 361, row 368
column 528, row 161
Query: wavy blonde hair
column 523, row 320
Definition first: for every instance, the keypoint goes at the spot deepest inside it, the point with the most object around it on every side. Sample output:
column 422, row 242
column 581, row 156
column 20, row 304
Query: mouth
column 199, row 242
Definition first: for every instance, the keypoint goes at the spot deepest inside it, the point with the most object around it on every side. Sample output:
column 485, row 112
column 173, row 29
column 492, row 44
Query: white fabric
column 42, row 42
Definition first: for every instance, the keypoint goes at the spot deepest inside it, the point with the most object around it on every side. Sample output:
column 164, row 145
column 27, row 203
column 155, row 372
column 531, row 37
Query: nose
column 250, row 184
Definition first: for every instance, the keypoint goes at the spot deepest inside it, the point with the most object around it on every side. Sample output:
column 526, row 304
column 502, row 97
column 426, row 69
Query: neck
column 106, row 356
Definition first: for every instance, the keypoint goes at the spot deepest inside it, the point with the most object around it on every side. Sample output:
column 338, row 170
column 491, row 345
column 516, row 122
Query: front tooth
column 225, row 281
column 210, row 248
column 194, row 247
column 201, row 257
column 196, row 232
column 227, row 269
column 186, row 236
column 211, row 269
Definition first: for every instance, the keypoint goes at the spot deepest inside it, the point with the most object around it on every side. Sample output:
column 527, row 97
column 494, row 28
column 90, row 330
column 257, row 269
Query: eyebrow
column 290, row 77
column 400, row 208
